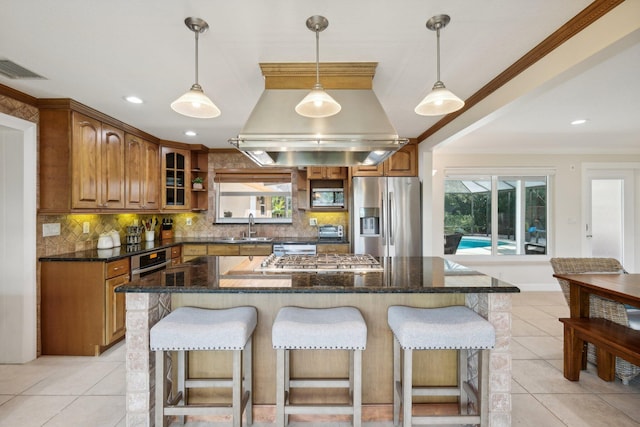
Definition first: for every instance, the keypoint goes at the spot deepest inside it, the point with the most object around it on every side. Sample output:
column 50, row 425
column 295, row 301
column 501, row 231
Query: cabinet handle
column 116, row 268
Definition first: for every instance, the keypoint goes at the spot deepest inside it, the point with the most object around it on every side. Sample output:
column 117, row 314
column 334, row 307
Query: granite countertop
column 124, row 251
column 237, row 274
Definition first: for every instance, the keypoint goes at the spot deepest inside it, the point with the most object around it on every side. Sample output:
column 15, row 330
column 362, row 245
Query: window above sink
column 265, row 195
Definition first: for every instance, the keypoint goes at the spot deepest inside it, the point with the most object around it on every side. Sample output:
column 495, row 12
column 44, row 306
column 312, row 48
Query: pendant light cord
column 197, row 34
column 317, row 56
column 437, row 52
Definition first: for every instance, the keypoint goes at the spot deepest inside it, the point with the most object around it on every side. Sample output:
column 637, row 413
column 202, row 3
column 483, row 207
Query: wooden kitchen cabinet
column 190, row 252
column 81, row 163
column 176, row 179
column 142, row 174
column 403, row 162
column 256, row 249
column 333, row 248
column 81, row 315
column 328, row 172
column 176, row 255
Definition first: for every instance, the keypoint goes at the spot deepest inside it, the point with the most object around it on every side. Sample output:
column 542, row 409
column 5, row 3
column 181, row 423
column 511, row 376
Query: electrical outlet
column 52, row 229
column 189, row 221
column 313, row 222
column 85, row 227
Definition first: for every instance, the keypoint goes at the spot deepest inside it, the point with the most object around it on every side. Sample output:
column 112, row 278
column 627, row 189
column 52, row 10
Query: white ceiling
column 97, row 52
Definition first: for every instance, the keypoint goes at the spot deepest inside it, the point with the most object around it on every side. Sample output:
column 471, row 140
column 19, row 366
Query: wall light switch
column 52, row 229
column 313, row 222
column 85, row 227
column 189, row 221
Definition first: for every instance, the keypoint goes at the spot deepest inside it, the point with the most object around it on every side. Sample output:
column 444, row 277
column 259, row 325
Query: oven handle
column 151, row 268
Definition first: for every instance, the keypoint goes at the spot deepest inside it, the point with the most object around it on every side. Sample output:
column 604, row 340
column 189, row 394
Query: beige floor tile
column 584, row 410
column 526, row 411
column 537, row 376
column 112, row 384
column 32, row 411
column 556, row 311
column 103, row 411
column 518, row 351
column 551, row 327
column 522, row 328
column 15, row 379
column 517, row 388
column 530, row 313
column 627, row 403
column 5, row 397
column 538, row 298
column 545, row 347
column 73, row 378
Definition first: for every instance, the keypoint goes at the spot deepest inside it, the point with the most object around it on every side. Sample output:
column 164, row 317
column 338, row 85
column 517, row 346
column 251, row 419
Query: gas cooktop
column 322, row 262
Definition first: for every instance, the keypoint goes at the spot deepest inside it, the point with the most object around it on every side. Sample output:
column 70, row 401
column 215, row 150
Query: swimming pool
column 469, row 242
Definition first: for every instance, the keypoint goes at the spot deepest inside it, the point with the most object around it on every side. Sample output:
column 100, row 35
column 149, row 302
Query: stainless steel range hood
column 275, row 135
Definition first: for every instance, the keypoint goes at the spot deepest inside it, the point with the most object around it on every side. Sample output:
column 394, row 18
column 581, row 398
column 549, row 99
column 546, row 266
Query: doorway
column 609, row 212
column 18, row 171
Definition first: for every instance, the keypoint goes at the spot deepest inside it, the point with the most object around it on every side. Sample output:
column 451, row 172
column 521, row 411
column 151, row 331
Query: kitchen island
column 222, row 281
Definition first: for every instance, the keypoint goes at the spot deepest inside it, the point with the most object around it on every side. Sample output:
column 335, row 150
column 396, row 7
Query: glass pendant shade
column 195, row 104
column 318, row 103
column 439, row 101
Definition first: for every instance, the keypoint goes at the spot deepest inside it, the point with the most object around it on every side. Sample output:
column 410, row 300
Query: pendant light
column 440, row 100
column 318, row 103
column 195, row 103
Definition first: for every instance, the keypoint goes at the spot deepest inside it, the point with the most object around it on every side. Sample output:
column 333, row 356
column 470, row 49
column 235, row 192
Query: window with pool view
column 495, row 215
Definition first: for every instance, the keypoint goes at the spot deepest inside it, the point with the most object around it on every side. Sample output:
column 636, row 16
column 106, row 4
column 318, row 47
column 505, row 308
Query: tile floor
column 87, row 391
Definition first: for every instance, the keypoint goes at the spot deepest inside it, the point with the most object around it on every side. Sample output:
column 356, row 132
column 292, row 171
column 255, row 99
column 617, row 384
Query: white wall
column 529, row 273
column 18, row 170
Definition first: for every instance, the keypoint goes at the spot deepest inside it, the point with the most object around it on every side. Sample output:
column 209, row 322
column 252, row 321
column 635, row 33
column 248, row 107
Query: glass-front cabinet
column 176, row 167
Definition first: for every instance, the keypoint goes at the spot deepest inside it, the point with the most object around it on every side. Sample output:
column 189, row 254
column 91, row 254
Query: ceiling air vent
column 14, row 71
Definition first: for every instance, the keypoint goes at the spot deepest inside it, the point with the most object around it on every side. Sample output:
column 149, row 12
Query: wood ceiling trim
column 18, row 96
column 333, row 75
column 582, row 20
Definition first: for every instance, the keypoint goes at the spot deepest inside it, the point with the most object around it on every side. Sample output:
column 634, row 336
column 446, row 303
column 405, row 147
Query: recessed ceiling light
column 190, row 133
column 579, row 122
column 133, row 99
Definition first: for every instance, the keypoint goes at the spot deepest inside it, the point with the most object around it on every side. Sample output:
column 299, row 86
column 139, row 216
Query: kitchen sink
column 242, row 239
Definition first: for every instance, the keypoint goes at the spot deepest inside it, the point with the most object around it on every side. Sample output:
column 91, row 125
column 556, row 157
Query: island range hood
column 360, row 134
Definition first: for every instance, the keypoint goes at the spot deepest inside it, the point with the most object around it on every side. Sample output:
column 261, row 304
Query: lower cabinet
column 333, row 248
column 81, row 315
column 190, row 252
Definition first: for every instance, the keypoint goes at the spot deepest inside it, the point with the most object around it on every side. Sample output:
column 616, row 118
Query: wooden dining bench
column 610, row 339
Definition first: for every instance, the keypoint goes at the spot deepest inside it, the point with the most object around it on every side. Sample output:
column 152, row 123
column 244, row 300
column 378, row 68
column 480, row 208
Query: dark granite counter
column 237, row 274
column 124, row 251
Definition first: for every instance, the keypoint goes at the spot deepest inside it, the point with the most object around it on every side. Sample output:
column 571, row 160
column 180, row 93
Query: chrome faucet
column 251, row 223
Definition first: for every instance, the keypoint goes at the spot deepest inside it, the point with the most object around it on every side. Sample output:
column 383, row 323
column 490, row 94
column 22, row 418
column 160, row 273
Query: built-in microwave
column 327, row 197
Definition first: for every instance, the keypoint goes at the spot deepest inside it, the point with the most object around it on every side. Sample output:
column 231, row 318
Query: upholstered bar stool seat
column 189, row 329
column 446, row 328
column 337, row 328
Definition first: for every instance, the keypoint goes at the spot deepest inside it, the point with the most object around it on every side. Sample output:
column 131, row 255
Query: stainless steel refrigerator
column 386, row 219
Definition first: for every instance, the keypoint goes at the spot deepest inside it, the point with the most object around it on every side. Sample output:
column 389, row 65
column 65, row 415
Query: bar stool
column 337, row 328
column 446, row 328
column 189, row 328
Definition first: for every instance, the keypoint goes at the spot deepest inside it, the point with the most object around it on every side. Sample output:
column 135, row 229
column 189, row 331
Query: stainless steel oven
column 150, row 261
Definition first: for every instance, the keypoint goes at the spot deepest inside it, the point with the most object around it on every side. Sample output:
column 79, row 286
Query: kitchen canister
column 149, row 236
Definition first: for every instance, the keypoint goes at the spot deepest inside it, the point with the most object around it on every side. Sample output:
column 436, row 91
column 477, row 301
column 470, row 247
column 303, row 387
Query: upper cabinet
column 142, row 159
column 403, row 162
column 176, row 182
column 83, row 156
column 329, row 172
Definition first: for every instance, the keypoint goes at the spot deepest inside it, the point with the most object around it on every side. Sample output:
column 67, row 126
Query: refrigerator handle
column 382, row 222
column 390, row 215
